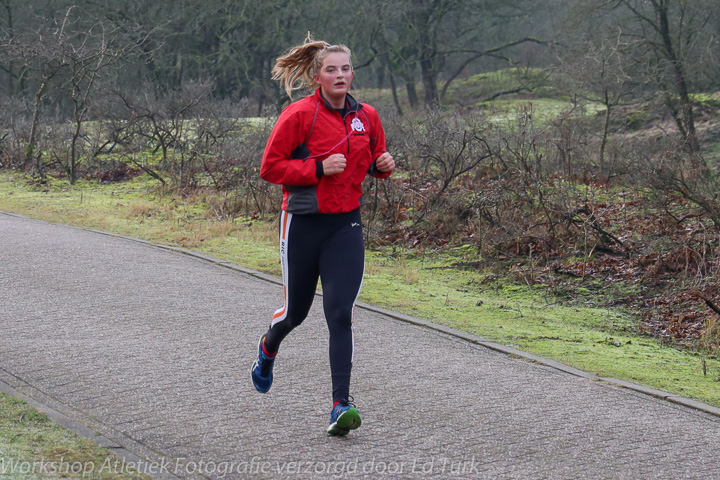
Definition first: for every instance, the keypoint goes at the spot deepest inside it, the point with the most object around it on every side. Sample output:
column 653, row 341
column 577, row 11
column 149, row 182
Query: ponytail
column 296, row 69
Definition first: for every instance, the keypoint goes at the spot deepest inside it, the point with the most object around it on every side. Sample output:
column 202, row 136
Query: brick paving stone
column 152, row 349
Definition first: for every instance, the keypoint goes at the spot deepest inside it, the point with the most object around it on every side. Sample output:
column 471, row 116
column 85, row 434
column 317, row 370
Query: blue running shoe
column 262, row 370
column 343, row 418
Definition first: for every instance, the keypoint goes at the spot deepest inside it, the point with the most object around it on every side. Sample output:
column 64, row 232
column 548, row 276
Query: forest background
column 570, row 147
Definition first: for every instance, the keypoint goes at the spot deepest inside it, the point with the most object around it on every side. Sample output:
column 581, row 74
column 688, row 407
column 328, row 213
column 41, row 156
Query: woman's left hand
column 385, row 163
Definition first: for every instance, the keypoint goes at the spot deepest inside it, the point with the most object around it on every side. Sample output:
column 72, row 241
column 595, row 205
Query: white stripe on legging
column 285, row 219
column 352, row 318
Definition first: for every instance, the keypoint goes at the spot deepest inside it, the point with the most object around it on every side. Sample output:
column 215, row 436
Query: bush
column 637, row 119
column 14, row 131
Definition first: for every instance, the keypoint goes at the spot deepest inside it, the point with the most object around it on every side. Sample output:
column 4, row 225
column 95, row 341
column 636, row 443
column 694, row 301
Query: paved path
column 151, row 349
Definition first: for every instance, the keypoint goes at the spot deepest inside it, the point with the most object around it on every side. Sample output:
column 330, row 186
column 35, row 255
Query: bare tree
column 37, row 53
column 9, row 26
column 673, row 35
column 67, row 58
column 440, row 39
column 596, row 68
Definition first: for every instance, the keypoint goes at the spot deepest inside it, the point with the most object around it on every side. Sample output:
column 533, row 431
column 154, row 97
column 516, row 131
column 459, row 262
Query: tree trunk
column 429, row 78
column 73, row 152
column 429, row 62
column 396, row 100
column 688, row 116
column 32, row 141
column 412, row 93
column 606, row 128
column 11, row 35
column 381, row 72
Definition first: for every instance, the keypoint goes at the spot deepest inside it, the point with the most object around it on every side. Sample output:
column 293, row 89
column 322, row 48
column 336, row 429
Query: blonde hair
column 298, row 66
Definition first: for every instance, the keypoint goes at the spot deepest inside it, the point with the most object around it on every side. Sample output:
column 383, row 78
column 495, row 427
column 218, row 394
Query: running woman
column 320, row 151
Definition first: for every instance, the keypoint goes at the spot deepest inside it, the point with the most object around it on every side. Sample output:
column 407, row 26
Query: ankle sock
column 267, row 354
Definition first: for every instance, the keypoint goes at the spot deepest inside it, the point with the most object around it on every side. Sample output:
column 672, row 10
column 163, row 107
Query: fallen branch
column 594, row 224
column 710, row 304
column 506, row 92
column 148, row 171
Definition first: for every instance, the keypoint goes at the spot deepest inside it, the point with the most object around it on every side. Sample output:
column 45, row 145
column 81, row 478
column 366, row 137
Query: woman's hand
column 385, row 163
column 334, row 164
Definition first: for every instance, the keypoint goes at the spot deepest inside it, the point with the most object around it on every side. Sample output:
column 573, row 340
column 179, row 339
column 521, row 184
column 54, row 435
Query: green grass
column 33, row 447
column 417, row 283
column 504, row 111
column 712, row 153
column 706, row 99
column 482, row 86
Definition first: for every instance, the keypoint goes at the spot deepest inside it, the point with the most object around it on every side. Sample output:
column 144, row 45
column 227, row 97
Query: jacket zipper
column 347, row 134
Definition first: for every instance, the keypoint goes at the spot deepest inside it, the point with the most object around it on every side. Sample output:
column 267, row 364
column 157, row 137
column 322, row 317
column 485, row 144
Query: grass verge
column 418, row 283
column 33, row 447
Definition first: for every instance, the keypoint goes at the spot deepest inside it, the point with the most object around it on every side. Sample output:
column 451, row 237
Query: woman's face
column 336, row 75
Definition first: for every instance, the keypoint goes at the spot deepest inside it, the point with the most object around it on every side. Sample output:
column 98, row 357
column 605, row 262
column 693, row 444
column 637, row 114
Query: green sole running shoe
column 343, row 418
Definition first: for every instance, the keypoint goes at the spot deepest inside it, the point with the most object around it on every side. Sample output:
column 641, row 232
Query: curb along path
column 149, row 352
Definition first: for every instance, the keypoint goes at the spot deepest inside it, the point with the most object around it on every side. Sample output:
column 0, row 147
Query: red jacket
column 307, row 132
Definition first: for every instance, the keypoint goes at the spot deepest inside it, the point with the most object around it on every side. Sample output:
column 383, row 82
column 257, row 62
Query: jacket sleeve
column 278, row 166
column 377, row 145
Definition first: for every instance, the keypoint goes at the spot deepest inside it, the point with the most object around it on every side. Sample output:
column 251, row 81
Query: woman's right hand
column 334, row 164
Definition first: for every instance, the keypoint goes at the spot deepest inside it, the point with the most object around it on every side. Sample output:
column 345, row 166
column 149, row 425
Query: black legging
column 329, row 247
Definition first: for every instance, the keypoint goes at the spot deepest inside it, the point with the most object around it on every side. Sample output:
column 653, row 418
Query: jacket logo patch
column 357, row 125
